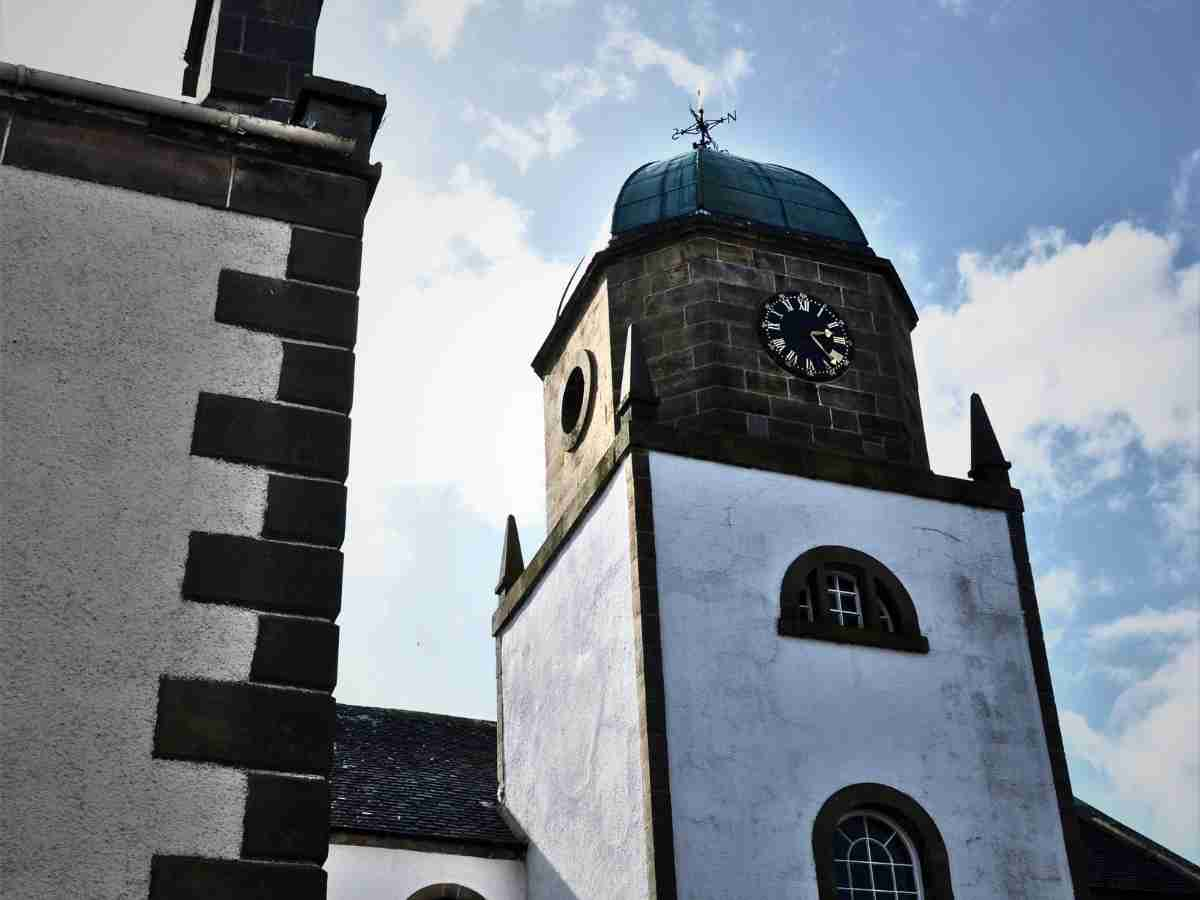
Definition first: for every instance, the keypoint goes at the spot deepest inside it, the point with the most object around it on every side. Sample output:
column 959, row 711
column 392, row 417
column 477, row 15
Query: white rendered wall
column 381, row 873
column 763, row 729
column 107, row 299
column 572, row 756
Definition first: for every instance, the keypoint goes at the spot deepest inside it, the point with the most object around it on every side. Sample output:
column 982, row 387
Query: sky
column 1032, row 169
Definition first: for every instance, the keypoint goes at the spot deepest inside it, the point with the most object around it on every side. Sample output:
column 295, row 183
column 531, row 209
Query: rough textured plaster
column 763, row 729
column 379, row 873
column 573, row 772
column 108, row 336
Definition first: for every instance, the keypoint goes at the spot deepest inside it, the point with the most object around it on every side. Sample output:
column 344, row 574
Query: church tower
column 764, row 651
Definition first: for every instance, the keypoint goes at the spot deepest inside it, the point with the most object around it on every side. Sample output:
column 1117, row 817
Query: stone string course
column 697, row 301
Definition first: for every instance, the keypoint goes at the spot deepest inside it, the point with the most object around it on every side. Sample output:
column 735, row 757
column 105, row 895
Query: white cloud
column 1061, row 593
column 552, row 132
column 437, row 22
column 624, row 45
column 457, row 307
column 1119, row 502
column 1182, row 197
column 1061, row 590
column 1091, row 346
column 1176, row 503
column 1146, row 750
column 623, row 52
column 522, row 145
column 1175, row 624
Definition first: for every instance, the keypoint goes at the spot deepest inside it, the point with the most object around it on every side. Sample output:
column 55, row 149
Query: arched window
column 872, row 856
column 839, row 594
column 446, row 892
column 872, row 842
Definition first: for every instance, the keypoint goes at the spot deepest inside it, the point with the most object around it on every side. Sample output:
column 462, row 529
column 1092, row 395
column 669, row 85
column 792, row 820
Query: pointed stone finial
column 637, row 391
column 987, row 459
column 511, row 562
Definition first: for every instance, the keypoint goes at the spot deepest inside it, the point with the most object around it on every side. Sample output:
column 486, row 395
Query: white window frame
column 900, row 833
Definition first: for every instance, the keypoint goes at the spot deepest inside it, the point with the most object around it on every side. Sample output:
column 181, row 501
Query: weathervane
column 702, row 125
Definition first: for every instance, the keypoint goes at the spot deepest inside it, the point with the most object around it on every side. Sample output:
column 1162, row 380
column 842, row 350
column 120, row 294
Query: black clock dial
column 805, row 336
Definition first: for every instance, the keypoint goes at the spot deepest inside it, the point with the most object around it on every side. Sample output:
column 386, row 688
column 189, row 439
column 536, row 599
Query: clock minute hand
column 813, row 335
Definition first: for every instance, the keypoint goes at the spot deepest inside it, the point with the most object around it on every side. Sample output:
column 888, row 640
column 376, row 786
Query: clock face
column 805, row 336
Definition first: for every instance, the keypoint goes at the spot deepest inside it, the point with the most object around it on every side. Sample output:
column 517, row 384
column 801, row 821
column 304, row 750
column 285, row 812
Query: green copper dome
column 708, row 182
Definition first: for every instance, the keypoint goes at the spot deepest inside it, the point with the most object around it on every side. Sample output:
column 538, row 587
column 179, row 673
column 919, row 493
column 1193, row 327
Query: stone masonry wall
column 697, row 301
column 566, row 469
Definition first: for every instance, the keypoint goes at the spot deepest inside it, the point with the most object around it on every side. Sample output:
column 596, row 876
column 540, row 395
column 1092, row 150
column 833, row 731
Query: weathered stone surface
column 697, row 302
column 295, row 652
column 286, row 818
column 843, row 277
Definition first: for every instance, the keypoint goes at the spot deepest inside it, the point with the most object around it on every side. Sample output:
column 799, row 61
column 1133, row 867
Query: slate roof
column 1120, row 859
column 422, row 776
column 416, row 775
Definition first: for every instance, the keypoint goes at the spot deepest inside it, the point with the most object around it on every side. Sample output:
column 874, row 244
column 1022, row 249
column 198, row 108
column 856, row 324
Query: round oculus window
column 572, row 400
column 575, row 399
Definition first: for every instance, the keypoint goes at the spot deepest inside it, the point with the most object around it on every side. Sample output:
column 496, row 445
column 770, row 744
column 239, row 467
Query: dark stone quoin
column 287, row 308
column 304, row 509
column 313, row 179
column 287, row 438
column 286, row 818
column 267, row 575
column 248, row 725
column 295, row 652
column 197, row 878
column 317, row 376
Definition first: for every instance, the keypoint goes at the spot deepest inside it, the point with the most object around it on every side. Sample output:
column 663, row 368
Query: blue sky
column 1032, row 169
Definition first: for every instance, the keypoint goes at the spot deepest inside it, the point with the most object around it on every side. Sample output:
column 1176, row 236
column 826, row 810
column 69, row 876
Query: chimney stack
column 251, row 56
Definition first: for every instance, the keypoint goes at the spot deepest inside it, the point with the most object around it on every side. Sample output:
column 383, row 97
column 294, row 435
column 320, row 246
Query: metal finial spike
column 511, row 562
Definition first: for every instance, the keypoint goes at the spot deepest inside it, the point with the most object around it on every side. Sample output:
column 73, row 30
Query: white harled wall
column 107, row 299
column 762, row 729
column 386, row 873
column 572, row 754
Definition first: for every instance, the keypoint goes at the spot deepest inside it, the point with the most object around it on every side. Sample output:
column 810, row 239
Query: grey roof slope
column 422, row 776
column 416, row 775
column 1121, row 860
